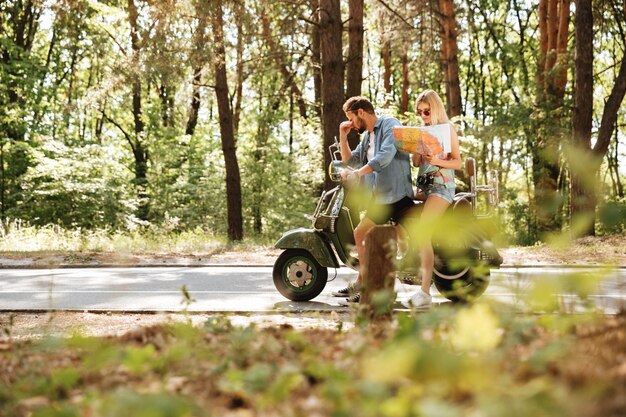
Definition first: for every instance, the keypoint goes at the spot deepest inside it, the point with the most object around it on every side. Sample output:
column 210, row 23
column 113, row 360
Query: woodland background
column 213, row 117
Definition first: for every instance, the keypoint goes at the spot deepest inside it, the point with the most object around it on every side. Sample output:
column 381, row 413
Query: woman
column 438, row 194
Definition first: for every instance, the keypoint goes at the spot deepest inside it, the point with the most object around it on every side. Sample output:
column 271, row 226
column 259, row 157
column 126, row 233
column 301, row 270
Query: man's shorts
column 382, row 213
column 440, row 191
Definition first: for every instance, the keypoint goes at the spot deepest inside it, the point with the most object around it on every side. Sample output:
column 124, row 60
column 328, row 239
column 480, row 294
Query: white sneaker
column 353, row 300
column 419, row 301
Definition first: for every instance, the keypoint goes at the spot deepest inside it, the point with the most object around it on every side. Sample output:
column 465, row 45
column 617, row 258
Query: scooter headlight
column 335, row 169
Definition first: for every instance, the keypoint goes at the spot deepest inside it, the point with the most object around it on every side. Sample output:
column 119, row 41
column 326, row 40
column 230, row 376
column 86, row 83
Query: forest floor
column 606, row 250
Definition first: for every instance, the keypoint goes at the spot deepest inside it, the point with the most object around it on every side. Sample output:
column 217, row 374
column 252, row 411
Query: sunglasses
column 423, row 112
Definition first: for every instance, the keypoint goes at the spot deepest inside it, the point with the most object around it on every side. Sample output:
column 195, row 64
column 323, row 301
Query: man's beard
column 362, row 124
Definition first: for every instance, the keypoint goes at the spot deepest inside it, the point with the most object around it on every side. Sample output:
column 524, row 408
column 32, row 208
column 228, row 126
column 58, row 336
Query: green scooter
column 461, row 270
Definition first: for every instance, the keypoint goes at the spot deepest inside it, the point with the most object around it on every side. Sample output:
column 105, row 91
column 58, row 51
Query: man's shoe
column 420, row 301
column 351, row 289
column 354, row 299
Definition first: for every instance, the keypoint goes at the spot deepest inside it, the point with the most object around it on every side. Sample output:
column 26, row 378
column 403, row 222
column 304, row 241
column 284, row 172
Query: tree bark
column 139, row 151
column 450, row 57
column 354, row 64
column 332, row 76
column 194, row 107
column 385, row 53
column 582, row 180
column 316, row 58
column 233, row 179
column 551, row 80
column 586, row 160
column 406, row 84
column 378, row 276
column 240, row 67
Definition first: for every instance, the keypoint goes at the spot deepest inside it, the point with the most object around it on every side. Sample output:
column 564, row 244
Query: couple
column 387, row 172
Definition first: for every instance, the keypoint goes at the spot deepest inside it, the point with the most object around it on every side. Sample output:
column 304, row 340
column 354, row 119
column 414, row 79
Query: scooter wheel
column 298, row 276
column 461, row 283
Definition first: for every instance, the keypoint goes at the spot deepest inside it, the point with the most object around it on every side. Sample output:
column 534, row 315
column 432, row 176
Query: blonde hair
column 438, row 113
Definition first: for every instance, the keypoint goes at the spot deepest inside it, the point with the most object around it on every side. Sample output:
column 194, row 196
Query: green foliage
column 68, row 125
column 429, row 363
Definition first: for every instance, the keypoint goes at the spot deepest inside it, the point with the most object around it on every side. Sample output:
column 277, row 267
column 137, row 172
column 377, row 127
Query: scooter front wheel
column 298, row 276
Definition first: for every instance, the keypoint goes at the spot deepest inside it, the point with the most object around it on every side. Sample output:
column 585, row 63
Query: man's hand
column 349, row 175
column 344, row 128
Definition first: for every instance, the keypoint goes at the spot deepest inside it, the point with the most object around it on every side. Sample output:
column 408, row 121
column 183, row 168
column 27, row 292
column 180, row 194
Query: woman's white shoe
column 419, row 301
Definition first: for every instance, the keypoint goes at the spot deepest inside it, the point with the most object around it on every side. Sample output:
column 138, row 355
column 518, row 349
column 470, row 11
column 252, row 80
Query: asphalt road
column 250, row 289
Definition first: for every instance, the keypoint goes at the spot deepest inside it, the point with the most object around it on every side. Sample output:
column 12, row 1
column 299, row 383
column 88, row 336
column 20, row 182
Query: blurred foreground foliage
column 476, row 360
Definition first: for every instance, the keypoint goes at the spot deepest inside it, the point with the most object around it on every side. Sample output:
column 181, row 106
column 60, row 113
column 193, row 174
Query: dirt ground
column 607, row 250
column 587, row 251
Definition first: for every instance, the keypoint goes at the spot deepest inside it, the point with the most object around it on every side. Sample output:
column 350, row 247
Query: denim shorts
column 440, row 191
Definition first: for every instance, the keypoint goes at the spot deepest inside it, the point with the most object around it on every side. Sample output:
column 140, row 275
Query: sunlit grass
column 20, row 237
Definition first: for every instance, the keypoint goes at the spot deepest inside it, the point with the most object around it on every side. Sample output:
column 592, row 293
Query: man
column 387, row 172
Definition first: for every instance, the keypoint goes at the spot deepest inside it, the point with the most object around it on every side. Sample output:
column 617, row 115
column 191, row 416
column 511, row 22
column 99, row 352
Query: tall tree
column 331, row 28
column 233, row 178
column 585, row 159
column 551, row 80
column 354, row 62
column 449, row 51
column 140, row 152
column 19, row 23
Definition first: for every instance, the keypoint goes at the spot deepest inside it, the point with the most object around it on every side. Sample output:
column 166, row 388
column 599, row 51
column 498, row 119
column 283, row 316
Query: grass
column 19, row 237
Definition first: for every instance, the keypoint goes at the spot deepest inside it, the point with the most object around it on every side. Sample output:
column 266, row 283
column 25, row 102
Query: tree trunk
column 316, row 58
column 240, row 68
column 582, row 200
column 354, row 64
column 139, row 152
column 378, row 276
column 332, row 76
column 385, row 53
column 404, row 100
column 585, row 161
column 233, row 180
column 551, row 80
column 194, row 107
column 450, row 57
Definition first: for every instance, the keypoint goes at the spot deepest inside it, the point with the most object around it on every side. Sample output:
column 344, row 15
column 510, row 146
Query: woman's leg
column 433, row 210
column 359, row 239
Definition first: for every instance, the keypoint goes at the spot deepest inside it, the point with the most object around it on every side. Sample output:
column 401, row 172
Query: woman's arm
column 417, row 159
column 454, row 160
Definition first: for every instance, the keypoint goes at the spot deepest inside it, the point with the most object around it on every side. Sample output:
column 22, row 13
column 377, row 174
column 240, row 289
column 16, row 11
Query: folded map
column 425, row 140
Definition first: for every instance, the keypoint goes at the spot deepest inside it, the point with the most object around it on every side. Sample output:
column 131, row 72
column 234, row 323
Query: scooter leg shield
column 313, row 242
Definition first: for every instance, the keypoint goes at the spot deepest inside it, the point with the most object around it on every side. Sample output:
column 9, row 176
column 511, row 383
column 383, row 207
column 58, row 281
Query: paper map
column 425, row 140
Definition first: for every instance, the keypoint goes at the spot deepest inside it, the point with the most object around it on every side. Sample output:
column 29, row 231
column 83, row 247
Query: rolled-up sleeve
column 355, row 160
column 388, row 145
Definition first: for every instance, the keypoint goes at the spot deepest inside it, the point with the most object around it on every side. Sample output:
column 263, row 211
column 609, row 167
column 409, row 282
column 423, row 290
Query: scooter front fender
column 311, row 241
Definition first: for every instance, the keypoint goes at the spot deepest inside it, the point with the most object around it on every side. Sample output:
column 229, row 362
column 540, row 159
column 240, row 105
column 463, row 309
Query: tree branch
column 126, row 135
column 395, row 13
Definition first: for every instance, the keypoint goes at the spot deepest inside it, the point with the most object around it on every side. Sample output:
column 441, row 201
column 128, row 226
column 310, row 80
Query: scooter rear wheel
column 298, row 276
column 460, row 280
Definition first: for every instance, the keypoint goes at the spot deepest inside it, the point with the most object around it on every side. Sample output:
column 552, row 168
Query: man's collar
column 377, row 124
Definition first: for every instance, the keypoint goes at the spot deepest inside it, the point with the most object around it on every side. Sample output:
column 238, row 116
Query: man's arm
column 387, row 148
column 346, row 153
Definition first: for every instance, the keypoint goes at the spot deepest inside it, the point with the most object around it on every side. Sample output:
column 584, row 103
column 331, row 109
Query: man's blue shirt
column 391, row 179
